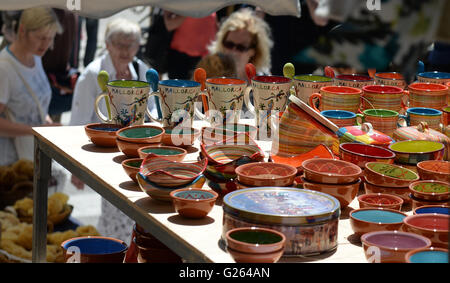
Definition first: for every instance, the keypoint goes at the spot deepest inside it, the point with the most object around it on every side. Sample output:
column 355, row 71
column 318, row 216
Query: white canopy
column 190, row 8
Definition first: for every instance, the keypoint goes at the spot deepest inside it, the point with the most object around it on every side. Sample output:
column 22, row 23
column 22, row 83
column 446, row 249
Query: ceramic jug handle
column 405, row 100
column 359, row 119
column 403, row 121
column 159, row 100
column 312, row 102
column 204, row 102
column 97, row 110
column 247, row 101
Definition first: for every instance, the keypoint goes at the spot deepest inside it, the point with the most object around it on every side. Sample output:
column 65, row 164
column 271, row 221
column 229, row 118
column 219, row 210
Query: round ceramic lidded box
column 308, row 219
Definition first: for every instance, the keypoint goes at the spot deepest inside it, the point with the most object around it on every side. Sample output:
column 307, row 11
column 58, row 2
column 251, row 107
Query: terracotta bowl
column 130, row 149
column 430, row 190
column 389, row 175
column 427, row 255
column 96, row 249
column 345, row 193
column 240, row 257
column 330, row 171
column 439, row 209
column 141, row 134
column 438, row 170
column 146, row 239
column 171, row 153
column 193, row 203
column 103, row 135
column 132, row 167
column 415, row 151
column 433, row 226
column 180, row 137
column 266, row 174
column 360, row 154
column 403, row 193
column 391, row 246
column 252, row 131
column 155, row 255
column 416, row 202
column 167, row 173
column 380, row 201
column 366, row 220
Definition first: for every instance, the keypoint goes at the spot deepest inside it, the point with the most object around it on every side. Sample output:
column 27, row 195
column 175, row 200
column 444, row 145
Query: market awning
column 190, row 8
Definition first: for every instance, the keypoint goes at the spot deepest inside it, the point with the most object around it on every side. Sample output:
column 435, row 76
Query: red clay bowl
column 141, row 134
column 389, row 175
column 132, row 167
column 180, row 136
column 193, row 203
column 433, row 226
column 103, row 135
column 439, row 209
column 255, row 240
column 345, row 193
column 430, row 190
column 438, row 170
column 266, row 174
column 360, row 154
column 130, row 149
column 427, row 255
column 402, row 193
column 365, row 220
column 330, row 171
column 240, row 257
column 391, row 246
column 172, row 153
column 380, row 201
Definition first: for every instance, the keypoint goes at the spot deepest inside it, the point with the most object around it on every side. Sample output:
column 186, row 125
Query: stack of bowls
column 337, row 178
column 103, row 135
column 265, row 174
column 429, row 192
column 130, row 139
column 389, row 179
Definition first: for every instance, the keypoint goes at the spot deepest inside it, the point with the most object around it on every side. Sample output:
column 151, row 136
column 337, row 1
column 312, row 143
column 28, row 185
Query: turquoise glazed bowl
column 141, row 134
column 427, row 255
column 172, row 153
column 366, row 220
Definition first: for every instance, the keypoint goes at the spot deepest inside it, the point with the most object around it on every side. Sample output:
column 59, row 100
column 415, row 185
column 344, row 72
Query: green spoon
column 102, row 80
column 289, row 70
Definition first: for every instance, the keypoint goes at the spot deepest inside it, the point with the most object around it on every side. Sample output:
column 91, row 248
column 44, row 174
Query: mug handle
column 405, row 101
column 158, row 98
column 361, row 119
column 204, row 102
column 247, row 101
column 403, row 121
column 312, row 102
column 97, row 110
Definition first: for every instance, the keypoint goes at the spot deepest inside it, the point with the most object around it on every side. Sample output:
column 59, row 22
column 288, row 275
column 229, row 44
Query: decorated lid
column 276, row 205
column 364, row 134
column 420, row 132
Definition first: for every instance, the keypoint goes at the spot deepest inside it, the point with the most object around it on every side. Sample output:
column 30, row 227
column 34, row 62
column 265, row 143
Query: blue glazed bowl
column 366, row 220
column 427, row 255
column 92, row 249
column 440, row 209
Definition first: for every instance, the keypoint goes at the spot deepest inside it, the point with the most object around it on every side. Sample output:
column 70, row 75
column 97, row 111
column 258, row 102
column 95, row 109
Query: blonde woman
column 247, row 38
column 26, row 92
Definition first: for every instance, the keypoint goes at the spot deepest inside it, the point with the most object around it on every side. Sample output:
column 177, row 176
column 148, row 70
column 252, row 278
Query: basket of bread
column 16, row 182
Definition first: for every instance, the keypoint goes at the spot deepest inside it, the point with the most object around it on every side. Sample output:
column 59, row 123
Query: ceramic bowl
column 266, row 174
column 345, row 193
column 380, row 201
column 146, row 239
column 417, row 202
column 360, row 154
column 433, row 226
column 103, row 135
column 210, row 136
column 130, row 149
column 438, row 170
column 439, row 209
column 389, row 175
column 193, row 203
column 427, row 255
column 330, row 171
column 171, row 153
column 167, row 173
column 365, row 220
column 141, row 134
column 180, row 136
column 430, row 190
column 402, row 192
column 252, row 131
column 96, row 249
column 163, row 193
column 132, row 167
column 391, row 246
column 415, row 151
column 240, row 257
column 155, row 255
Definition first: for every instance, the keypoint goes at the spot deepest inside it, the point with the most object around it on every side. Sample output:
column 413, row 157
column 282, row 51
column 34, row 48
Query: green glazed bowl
column 167, row 152
column 141, row 134
column 430, row 190
column 414, row 151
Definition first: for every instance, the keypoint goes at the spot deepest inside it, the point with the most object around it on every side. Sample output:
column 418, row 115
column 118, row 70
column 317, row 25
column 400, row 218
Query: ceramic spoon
column 250, row 70
column 200, row 77
column 289, row 70
column 152, row 77
column 102, row 80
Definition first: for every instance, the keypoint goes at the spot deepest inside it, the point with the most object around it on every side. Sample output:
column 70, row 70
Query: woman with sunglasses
column 247, row 38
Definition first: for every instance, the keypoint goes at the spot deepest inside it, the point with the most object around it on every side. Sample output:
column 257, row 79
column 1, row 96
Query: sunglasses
column 239, row 47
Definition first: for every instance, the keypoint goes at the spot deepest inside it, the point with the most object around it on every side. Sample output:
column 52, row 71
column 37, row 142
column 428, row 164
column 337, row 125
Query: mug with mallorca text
column 306, row 85
column 415, row 116
column 382, row 120
column 353, row 80
column 434, row 77
column 177, row 99
column 428, row 95
column 384, row 97
column 340, row 118
column 390, row 79
column 127, row 100
column 270, row 95
column 337, row 98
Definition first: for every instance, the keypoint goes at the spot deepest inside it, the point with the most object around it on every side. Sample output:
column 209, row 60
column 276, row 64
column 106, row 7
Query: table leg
column 42, row 173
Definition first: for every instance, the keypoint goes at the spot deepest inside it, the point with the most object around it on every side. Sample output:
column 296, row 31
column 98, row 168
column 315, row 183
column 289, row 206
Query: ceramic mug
column 382, row 120
column 353, row 80
column 224, row 99
column 127, row 101
column 414, row 116
column 446, row 116
column 428, row 95
column 270, row 95
column 383, row 97
column 306, row 85
column 434, row 77
column 177, row 99
column 390, row 79
column 340, row 118
column 337, row 98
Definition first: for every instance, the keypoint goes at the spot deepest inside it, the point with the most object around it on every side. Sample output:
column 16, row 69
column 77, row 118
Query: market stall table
column 100, row 168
